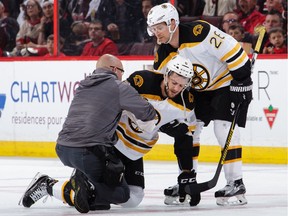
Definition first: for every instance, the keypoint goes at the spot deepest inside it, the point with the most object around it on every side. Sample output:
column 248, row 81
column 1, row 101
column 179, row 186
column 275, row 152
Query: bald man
column 89, row 133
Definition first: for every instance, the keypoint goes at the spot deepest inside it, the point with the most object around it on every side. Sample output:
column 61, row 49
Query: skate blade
column 35, row 178
column 237, row 200
column 174, row 201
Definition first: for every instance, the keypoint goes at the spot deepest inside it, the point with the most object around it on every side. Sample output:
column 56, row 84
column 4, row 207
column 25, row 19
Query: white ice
column 266, row 190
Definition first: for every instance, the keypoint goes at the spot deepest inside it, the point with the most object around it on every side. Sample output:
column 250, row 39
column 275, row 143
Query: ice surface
column 266, row 190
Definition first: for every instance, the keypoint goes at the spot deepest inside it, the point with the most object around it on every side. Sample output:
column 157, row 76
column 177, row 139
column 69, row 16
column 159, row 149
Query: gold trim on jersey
column 133, row 146
column 189, row 45
column 152, row 97
column 179, row 106
column 166, row 60
column 134, row 136
column 237, row 61
column 147, row 146
column 220, row 80
column 232, row 52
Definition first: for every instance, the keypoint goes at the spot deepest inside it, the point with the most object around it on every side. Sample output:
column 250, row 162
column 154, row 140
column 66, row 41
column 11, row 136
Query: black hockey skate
column 172, row 196
column 234, row 189
column 40, row 186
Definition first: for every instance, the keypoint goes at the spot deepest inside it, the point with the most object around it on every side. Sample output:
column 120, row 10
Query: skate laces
column 39, row 193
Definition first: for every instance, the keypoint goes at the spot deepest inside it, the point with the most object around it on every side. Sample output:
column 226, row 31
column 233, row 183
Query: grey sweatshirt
column 96, row 109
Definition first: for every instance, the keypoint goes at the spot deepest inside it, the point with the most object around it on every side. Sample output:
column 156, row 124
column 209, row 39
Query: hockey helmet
column 181, row 66
column 162, row 13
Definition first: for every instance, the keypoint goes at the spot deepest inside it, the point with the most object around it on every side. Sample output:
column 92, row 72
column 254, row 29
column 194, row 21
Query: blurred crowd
column 118, row 27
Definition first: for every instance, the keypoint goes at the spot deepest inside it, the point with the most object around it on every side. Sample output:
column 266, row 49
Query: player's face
column 175, row 84
column 161, row 31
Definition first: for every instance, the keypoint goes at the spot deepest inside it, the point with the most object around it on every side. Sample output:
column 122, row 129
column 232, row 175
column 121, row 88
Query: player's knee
column 221, row 129
column 136, row 197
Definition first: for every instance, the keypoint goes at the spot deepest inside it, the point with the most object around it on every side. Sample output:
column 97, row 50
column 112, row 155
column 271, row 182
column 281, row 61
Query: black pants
column 92, row 165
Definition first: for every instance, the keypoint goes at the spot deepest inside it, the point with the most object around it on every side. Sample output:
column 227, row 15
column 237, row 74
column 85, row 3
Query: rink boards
column 35, row 97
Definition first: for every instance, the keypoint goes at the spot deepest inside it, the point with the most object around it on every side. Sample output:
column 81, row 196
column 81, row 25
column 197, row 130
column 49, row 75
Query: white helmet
column 162, row 13
column 181, row 66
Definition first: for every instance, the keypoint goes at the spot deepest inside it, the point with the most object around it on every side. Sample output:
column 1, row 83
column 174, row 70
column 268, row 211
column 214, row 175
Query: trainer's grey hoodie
column 96, row 109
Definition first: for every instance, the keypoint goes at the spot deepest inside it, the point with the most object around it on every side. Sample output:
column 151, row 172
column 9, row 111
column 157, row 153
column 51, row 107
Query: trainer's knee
column 136, row 197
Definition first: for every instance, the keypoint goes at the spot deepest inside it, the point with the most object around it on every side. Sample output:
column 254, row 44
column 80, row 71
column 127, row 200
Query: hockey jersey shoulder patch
column 194, row 32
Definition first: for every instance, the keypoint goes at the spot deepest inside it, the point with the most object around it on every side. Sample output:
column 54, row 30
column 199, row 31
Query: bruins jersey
column 133, row 142
column 215, row 55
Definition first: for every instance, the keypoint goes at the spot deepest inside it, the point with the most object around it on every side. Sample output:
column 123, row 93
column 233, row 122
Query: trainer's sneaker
column 81, row 196
column 232, row 189
column 40, row 186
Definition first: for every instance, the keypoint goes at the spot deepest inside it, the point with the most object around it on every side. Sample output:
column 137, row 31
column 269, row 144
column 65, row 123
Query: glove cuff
column 243, row 86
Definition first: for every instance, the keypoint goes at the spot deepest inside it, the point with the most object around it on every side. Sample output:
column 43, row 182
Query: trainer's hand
column 186, row 178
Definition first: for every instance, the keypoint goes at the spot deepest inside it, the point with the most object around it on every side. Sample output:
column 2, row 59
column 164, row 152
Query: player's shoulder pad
column 138, row 78
column 195, row 31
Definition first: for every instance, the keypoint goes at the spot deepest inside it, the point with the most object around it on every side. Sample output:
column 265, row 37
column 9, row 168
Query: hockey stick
column 204, row 186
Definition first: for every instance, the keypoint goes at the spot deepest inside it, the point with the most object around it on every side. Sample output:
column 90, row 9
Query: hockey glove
column 186, row 178
column 174, row 128
column 241, row 92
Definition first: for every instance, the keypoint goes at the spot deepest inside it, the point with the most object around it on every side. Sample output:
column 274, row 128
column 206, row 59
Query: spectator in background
column 237, row 31
column 31, row 27
column 8, row 31
column 232, row 18
column 46, row 21
column 277, row 39
column 273, row 19
column 12, row 7
column 147, row 43
column 99, row 45
column 50, row 46
column 189, row 8
column 250, row 18
column 142, row 33
column 120, row 17
column 93, row 8
column 218, row 7
column 78, row 9
column 275, row 5
column 76, row 41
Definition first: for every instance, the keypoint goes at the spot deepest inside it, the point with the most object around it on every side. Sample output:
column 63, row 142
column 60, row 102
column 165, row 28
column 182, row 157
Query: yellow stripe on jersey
column 166, row 60
column 179, row 106
column 131, row 146
column 152, row 97
column 135, row 137
column 231, row 52
column 188, row 45
column 238, row 62
column 219, row 78
column 222, row 82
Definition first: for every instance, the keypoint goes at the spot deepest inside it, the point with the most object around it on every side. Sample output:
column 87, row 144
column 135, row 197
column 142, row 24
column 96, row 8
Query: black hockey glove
column 241, row 92
column 186, row 178
column 174, row 128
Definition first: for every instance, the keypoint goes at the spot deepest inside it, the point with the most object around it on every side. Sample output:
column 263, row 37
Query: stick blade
column 201, row 187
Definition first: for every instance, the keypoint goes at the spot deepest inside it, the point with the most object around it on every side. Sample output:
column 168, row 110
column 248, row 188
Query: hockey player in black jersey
column 221, row 81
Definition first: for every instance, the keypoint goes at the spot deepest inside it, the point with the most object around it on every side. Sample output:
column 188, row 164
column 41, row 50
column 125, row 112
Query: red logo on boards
column 270, row 114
